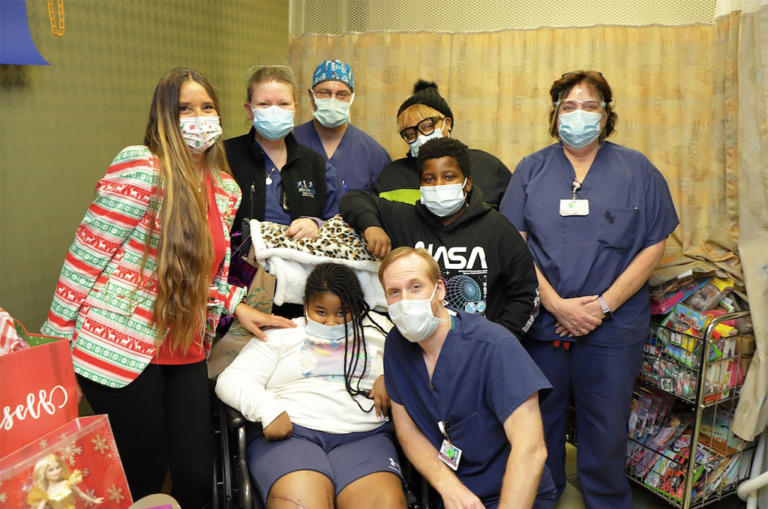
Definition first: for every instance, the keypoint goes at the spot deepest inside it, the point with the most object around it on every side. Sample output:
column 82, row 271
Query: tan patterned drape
column 744, row 39
column 665, row 82
column 676, row 93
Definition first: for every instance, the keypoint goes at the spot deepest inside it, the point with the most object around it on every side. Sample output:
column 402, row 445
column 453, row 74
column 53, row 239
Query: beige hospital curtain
column 664, row 81
column 676, row 88
column 742, row 37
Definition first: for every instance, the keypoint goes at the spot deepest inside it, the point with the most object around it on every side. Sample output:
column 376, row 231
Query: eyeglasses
column 570, row 105
column 425, row 127
column 277, row 69
column 341, row 95
column 579, row 72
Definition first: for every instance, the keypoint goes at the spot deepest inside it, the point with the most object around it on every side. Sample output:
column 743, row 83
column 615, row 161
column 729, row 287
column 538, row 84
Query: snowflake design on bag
column 100, row 444
column 43, row 443
column 69, row 452
column 85, row 472
column 112, row 453
column 115, row 494
column 92, row 494
column 3, row 497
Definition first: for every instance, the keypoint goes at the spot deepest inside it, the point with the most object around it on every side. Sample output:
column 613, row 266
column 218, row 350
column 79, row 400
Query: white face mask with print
column 200, row 133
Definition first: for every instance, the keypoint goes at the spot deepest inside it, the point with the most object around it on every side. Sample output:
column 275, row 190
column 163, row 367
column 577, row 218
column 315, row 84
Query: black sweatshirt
column 482, row 257
column 400, row 180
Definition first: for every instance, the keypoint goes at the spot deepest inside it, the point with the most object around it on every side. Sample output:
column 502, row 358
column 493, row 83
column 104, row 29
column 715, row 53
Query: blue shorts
column 342, row 458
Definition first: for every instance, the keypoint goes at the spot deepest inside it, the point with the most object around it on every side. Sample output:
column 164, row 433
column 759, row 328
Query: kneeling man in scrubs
column 464, row 394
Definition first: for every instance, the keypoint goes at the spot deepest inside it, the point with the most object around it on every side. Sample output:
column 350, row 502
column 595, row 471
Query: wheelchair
column 233, row 486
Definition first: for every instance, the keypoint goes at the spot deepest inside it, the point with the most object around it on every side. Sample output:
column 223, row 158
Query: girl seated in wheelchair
column 317, row 390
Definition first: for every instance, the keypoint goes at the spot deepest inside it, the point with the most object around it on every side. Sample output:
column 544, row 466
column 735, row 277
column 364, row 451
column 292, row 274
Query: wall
column 343, row 16
column 61, row 125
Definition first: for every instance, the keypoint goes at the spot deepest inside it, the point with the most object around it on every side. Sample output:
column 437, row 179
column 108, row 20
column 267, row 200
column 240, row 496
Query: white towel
column 291, row 261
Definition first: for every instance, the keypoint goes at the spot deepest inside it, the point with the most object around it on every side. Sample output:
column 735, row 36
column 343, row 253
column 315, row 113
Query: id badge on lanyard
column 449, row 453
column 574, row 207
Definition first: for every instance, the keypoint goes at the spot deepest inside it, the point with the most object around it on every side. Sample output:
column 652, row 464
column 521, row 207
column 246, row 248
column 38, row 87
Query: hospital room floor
column 642, row 499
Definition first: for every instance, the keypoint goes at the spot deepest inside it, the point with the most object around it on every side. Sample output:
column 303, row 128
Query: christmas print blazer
column 101, row 303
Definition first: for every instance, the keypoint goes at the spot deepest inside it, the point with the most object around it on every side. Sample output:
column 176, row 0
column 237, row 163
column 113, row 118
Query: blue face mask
column 580, row 128
column 332, row 112
column 329, row 332
column 273, row 123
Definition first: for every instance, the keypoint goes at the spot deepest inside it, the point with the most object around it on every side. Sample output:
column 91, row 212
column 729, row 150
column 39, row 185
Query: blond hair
column 433, row 269
column 267, row 73
column 38, row 473
column 420, row 112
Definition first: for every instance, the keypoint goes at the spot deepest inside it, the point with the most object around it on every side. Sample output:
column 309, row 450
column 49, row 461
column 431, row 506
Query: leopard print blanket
column 291, row 261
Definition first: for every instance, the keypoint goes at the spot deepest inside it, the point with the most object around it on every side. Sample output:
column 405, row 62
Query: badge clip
column 449, row 454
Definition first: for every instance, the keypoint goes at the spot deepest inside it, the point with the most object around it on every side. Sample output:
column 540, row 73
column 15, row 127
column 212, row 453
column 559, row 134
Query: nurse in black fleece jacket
column 483, row 258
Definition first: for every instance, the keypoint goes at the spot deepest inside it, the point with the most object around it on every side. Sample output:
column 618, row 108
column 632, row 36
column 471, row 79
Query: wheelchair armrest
column 234, row 418
column 236, row 423
column 246, row 492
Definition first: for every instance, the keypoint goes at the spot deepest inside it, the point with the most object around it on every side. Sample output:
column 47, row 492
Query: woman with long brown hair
column 145, row 283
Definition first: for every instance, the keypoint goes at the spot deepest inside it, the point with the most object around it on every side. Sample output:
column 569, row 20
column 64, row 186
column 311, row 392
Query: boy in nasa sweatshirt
column 485, row 262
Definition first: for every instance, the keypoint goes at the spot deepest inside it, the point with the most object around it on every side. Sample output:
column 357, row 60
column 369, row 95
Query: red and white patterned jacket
column 101, row 305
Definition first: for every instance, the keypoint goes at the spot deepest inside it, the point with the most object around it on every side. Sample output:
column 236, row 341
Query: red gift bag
column 84, row 450
column 38, row 392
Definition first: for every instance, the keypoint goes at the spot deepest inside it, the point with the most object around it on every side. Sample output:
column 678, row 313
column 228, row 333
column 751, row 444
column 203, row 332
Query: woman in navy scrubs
column 595, row 216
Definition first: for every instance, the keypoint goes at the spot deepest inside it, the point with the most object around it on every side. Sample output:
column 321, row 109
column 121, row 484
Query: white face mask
column 414, row 318
column 329, row 332
column 422, row 139
column 332, row 112
column 200, row 133
column 444, row 200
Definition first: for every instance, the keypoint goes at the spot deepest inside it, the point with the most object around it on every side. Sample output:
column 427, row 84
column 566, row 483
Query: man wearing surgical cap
column 357, row 157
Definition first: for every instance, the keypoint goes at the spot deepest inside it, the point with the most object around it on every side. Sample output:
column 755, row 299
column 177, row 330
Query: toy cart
column 704, row 462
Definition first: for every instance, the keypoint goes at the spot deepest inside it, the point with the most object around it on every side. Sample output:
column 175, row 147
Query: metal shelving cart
column 703, row 376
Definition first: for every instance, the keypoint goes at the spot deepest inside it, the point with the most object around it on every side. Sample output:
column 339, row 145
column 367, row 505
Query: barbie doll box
column 75, row 466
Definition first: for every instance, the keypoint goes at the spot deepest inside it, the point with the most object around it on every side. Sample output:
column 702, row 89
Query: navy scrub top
column 358, row 159
column 630, row 209
column 481, row 376
column 274, row 211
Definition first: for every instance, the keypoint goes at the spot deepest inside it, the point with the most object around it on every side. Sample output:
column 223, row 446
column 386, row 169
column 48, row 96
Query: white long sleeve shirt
column 303, row 376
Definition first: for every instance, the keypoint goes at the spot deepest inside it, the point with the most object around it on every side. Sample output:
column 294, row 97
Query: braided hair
column 342, row 282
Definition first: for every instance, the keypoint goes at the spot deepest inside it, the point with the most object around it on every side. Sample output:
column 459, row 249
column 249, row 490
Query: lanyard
column 449, row 453
column 444, row 427
column 575, row 186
